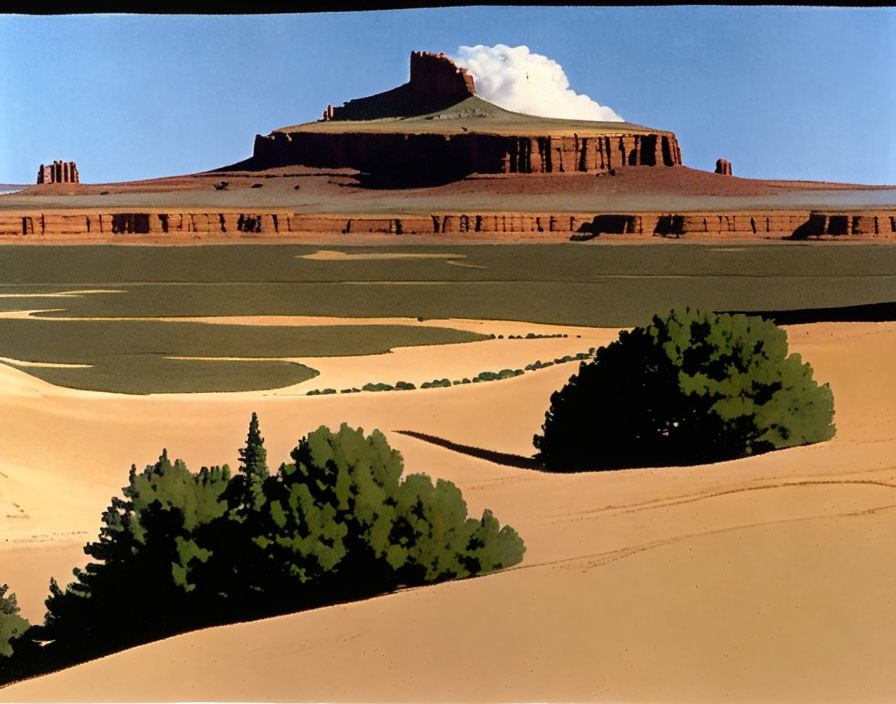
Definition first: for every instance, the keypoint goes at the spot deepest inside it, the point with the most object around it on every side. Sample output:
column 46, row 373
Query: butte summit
column 434, row 128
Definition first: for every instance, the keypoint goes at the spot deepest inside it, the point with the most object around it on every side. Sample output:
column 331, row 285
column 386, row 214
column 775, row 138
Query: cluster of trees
column 690, row 388
column 181, row 550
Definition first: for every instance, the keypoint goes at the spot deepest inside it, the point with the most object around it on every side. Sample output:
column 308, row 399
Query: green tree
column 142, row 582
column 253, row 468
column 689, row 388
column 239, row 571
column 346, row 520
column 432, row 539
column 12, row 625
column 332, row 511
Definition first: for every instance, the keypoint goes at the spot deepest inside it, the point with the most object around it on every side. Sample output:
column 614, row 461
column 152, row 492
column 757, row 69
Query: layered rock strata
column 457, row 155
column 58, row 172
column 558, row 226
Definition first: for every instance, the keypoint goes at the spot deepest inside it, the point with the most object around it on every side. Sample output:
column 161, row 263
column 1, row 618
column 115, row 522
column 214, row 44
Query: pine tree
column 253, row 467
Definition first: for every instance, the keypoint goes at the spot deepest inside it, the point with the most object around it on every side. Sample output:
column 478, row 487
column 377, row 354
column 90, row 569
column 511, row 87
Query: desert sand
column 764, row 579
column 307, row 190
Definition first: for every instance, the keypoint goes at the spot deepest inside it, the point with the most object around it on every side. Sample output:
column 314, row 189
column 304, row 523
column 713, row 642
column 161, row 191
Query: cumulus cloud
column 516, row 79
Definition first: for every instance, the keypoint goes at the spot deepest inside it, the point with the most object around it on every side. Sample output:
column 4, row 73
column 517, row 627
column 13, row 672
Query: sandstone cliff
column 556, row 226
column 424, row 158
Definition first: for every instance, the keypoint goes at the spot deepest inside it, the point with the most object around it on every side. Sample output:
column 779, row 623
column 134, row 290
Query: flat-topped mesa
column 438, row 75
column 58, row 172
column 435, row 129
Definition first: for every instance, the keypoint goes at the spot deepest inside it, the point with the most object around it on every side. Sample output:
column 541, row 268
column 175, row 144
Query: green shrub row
column 439, row 383
column 537, row 336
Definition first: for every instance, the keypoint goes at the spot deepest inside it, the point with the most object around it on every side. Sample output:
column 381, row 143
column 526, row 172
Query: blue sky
column 797, row 93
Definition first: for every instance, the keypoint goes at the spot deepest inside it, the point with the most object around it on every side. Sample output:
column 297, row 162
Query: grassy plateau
column 576, row 284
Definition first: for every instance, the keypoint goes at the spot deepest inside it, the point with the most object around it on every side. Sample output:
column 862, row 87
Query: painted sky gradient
column 795, row 93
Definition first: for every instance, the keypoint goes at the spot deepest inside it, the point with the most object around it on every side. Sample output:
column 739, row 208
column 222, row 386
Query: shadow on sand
column 504, row 458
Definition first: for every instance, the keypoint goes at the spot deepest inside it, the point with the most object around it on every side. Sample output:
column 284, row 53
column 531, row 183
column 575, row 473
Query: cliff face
column 425, row 158
column 436, row 73
column 545, row 226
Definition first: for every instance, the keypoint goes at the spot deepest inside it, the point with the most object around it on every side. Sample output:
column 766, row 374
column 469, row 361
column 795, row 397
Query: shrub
column 508, row 373
column 12, row 626
column 435, row 383
column 377, row 387
column 690, row 388
column 404, row 386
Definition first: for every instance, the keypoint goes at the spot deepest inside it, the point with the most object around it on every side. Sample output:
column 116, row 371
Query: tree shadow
column 504, row 458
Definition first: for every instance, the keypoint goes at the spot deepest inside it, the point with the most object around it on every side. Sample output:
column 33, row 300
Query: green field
column 131, row 356
column 145, row 374
column 564, row 283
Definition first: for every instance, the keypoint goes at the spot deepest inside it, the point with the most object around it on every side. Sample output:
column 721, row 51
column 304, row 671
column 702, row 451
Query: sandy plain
column 765, row 579
column 339, row 191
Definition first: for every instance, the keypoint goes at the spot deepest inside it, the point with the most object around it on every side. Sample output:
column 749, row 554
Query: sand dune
column 766, row 579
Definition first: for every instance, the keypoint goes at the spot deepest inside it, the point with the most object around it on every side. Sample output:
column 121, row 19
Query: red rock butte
column 435, row 128
column 58, row 172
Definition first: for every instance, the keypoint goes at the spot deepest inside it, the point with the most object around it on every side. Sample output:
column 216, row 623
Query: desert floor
column 765, row 579
column 309, row 190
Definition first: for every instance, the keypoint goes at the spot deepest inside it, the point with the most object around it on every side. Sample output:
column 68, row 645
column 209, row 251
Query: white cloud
column 516, row 79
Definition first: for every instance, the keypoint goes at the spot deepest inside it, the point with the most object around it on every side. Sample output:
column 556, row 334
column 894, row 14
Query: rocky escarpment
column 58, row 172
column 435, row 129
column 436, row 157
column 556, row 226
